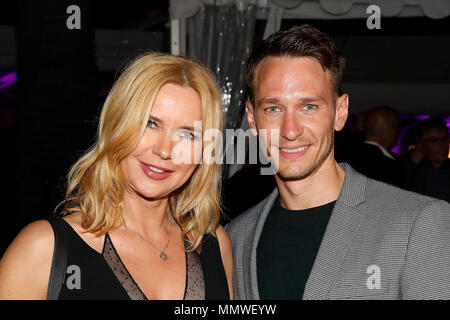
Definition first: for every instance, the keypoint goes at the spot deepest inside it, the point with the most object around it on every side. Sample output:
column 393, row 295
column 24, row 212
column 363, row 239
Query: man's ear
column 251, row 117
column 341, row 112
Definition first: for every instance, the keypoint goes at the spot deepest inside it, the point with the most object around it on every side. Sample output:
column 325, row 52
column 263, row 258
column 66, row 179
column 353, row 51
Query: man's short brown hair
column 299, row 41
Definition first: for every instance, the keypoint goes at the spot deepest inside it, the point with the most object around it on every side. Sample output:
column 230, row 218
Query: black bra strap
column 59, row 261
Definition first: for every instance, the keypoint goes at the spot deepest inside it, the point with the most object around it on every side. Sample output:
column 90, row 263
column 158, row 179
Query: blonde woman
column 140, row 219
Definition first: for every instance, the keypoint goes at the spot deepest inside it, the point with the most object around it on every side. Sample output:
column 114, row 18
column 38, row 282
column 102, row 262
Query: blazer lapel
column 252, row 245
column 342, row 228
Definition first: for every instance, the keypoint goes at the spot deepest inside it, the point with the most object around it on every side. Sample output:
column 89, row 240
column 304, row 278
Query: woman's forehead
column 176, row 103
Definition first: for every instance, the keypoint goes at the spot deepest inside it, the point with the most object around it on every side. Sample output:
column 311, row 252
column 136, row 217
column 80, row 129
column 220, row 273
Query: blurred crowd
column 419, row 163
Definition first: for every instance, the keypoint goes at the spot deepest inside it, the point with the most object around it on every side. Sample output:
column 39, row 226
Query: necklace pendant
column 163, row 256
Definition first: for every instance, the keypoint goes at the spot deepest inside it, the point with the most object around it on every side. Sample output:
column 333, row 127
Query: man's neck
column 319, row 188
column 437, row 163
column 381, row 147
column 384, row 143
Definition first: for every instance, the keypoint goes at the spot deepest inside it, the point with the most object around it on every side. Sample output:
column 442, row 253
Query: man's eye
column 310, row 107
column 151, row 124
column 272, row 109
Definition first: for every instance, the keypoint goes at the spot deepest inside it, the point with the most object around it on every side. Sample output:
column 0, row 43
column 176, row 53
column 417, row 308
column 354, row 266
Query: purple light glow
column 422, row 117
column 400, row 147
column 8, row 79
column 397, row 149
column 447, row 119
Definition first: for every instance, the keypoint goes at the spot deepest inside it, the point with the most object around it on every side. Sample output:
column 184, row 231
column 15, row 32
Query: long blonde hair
column 96, row 183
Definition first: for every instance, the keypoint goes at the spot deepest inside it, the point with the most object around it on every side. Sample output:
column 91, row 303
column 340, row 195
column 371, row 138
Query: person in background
column 140, row 219
column 428, row 166
column 373, row 157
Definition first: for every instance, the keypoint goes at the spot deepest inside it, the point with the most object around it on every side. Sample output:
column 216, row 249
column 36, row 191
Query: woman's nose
column 162, row 146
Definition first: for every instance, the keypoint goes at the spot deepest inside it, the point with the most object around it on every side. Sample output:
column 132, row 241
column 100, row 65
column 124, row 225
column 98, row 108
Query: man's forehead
column 291, row 76
column 288, row 61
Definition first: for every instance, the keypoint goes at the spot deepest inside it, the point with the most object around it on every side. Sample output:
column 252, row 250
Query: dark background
column 48, row 117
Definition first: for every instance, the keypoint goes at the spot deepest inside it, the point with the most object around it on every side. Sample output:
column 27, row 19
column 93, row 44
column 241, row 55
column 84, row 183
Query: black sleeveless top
column 91, row 275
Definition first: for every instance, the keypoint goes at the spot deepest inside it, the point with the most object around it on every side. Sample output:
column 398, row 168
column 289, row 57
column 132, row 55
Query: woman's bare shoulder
column 25, row 265
column 224, row 242
column 37, row 235
column 222, row 235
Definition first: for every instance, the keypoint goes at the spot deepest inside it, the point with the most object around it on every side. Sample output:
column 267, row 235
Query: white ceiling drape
column 328, row 9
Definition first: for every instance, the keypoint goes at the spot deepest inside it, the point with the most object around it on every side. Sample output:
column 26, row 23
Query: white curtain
column 220, row 35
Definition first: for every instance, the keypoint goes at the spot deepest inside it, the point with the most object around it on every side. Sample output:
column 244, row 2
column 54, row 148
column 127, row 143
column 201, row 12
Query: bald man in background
column 373, row 157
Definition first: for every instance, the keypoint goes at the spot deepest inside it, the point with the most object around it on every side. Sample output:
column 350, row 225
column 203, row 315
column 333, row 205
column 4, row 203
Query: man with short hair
column 326, row 231
column 428, row 168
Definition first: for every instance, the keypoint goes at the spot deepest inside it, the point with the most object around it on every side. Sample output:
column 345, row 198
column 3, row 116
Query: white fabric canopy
column 328, row 9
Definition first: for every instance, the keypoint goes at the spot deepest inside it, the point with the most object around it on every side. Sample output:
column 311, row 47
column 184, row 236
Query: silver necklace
column 163, row 256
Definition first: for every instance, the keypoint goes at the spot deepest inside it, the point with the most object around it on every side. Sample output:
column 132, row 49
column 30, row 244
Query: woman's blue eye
column 151, row 124
column 188, row 135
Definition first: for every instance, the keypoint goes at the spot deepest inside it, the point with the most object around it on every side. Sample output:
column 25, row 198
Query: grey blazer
column 381, row 242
